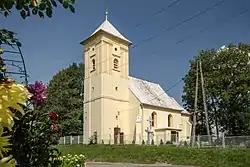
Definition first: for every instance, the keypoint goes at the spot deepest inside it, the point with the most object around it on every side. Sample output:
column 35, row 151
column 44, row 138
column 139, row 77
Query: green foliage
column 161, row 142
column 32, row 141
column 66, row 98
column 27, row 8
column 7, row 162
column 152, row 142
column 226, row 76
column 8, row 37
column 210, row 157
column 169, row 142
column 41, row 8
column 73, row 160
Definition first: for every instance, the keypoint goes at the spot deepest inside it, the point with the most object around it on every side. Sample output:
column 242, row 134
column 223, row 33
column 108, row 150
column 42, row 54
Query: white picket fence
column 201, row 141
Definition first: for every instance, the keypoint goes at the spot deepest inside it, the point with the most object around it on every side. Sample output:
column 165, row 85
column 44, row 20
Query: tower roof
column 107, row 27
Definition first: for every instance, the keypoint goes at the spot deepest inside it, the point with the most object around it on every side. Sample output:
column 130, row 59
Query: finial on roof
column 106, row 13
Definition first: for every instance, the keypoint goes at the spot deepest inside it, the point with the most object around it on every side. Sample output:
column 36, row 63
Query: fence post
column 165, row 137
column 78, row 139
column 140, row 139
column 64, row 140
column 198, row 141
column 70, row 140
column 223, row 140
column 109, row 139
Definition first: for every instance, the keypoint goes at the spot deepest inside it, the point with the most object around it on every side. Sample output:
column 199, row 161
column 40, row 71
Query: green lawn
column 211, row 157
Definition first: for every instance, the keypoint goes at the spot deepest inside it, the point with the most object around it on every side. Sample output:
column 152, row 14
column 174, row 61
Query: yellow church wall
column 136, row 130
column 106, row 87
column 162, row 116
column 161, row 129
column 112, row 118
column 187, row 126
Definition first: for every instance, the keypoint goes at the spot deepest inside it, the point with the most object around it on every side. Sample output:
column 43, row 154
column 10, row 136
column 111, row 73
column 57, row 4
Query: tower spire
column 106, row 13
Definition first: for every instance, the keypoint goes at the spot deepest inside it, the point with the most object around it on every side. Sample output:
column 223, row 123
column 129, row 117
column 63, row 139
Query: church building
column 122, row 109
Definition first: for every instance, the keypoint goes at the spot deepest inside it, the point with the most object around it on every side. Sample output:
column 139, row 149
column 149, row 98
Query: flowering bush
column 38, row 91
column 73, row 160
column 13, row 98
column 36, row 133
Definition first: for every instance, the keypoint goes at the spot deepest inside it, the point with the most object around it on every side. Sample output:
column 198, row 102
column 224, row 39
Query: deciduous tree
column 227, row 84
column 65, row 96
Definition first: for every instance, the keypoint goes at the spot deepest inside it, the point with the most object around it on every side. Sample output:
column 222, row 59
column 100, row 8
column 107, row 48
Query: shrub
column 169, row 143
column 72, row 160
column 12, row 97
column 32, row 140
column 183, row 143
column 143, row 142
column 152, row 142
column 35, row 134
column 247, row 144
column 95, row 137
column 133, row 142
column 91, row 141
column 161, row 142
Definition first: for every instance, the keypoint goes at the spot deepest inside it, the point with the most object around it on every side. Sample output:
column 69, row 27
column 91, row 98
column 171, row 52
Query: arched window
column 154, row 119
column 170, row 120
column 116, row 63
column 93, row 64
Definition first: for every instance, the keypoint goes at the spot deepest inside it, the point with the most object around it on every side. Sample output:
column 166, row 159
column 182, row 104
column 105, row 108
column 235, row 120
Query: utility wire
column 180, row 23
column 155, row 98
column 202, row 12
column 173, row 27
column 140, row 23
column 170, row 28
column 173, row 86
column 219, row 23
column 160, row 12
column 240, row 13
column 210, row 27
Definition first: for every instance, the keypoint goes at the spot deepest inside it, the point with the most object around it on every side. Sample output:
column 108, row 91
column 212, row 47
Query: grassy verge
column 211, row 157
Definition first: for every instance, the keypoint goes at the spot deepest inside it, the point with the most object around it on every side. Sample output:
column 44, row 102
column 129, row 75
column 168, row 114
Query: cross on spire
column 106, row 13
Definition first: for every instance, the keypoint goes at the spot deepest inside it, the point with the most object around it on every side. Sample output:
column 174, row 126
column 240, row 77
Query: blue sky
column 52, row 44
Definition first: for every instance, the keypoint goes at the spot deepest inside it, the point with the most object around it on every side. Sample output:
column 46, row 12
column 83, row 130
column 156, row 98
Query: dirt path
column 97, row 164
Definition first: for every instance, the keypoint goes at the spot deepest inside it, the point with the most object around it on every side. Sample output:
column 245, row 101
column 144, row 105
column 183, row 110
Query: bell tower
column 106, row 57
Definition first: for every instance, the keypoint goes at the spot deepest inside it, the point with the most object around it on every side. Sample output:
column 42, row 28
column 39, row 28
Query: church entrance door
column 174, row 136
column 116, row 134
column 121, row 138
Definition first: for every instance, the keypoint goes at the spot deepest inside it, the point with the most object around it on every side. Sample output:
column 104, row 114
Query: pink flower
column 39, row 92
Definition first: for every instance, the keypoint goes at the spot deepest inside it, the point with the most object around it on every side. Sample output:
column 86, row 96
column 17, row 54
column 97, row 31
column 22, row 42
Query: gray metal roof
column 109, row 28
column 152, row 94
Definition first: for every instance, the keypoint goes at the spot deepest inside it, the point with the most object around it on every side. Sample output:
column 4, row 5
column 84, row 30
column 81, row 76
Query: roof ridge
column 156, row 83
